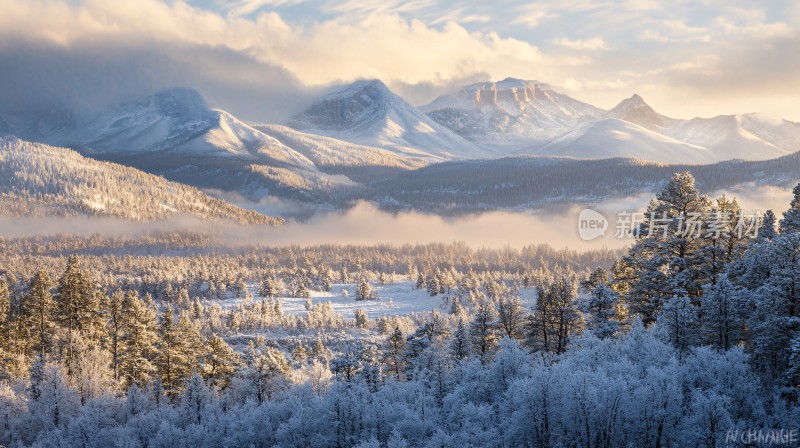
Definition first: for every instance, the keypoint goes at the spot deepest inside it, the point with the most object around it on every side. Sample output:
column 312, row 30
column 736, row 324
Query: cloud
column 278, row 48
column 89, row 75
column 594, row 43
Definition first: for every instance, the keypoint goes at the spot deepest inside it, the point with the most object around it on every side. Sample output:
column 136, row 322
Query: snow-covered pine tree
column 791, row 218
column 460, row 346
column 394, row 353
column 666, row 255
column 219, row 362
column 723, row 314
column 483, row 332
column 767, row 229
column 137, row 341
column 605, row 315
column 364, row 290
column 362, row 320
column 36, row 316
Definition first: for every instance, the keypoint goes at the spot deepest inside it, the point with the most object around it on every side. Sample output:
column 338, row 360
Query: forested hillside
column 40, row 180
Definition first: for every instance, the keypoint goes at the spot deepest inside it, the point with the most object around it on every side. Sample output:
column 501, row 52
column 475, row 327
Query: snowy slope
column 37, row 179
column 612, row 137
column 744, row 136
column 368, row 113
column 329, row 152
column 510, row 114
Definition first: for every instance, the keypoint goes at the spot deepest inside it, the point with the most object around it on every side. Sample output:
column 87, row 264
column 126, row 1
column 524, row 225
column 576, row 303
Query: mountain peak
column 636, row 110
column 178, row 101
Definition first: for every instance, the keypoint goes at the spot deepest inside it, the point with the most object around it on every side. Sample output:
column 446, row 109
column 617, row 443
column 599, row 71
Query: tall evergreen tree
column 766, row 232
column 605, row 314
column 114, row 322
column 791, row 218
column 137, row 341
column 459, row 346
column 219, row 362
column 36, row 315
column 723, row 314
column 666, row 255
column 394, row 355
column 483, row 332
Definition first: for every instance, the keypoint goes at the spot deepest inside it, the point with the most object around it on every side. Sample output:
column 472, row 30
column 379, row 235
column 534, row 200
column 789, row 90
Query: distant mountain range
column 528, row 117
column 361, row 141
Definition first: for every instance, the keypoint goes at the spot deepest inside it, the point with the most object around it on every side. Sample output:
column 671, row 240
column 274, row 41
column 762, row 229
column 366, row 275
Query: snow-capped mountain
column 529, row 117
column 612, row 137
column 635, row 110
column 38, row 179
column 510, row 114
column 368, row 113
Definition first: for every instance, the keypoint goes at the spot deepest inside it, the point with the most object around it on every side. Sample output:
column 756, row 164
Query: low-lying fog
column 365, row 224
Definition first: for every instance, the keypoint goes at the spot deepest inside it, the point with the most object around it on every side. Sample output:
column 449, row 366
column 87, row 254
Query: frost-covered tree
column 767, row 229
column 483, row 332
column 36, row 315
column 460, row 346
column 219, row 362
column 680, row 320
column 362, row 320
column 723, row 314
column 77, row 302
column 791, row 218
column 394, row 354
column 137, row 342
column 364, row 291
column 511, row 317
column 555, row 317
column 605, row 315
column 666, row 256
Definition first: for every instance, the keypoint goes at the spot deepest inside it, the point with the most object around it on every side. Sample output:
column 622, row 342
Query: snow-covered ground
column 396, row 299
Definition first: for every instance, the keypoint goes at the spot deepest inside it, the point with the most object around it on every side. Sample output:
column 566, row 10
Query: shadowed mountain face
column 367, row 112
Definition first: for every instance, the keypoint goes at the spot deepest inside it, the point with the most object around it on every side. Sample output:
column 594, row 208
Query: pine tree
column 177, row 356
column 680, row 319
column 77, row 302
column 137, row 341
column 666, row 256
column 459, row 347
column 791, row 218
column 115, row 318
column 555, row 317
column 362, row 320
column 766, row 232
column 605, row 314
column 394, row 353
column 5, row 318
column 364, row 291
column 483, row 332
column 219, row 362
column 36, row 314
column 269, row 373
column 723, row 314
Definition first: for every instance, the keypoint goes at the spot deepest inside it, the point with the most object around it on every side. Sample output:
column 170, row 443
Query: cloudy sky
column 264, row 59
